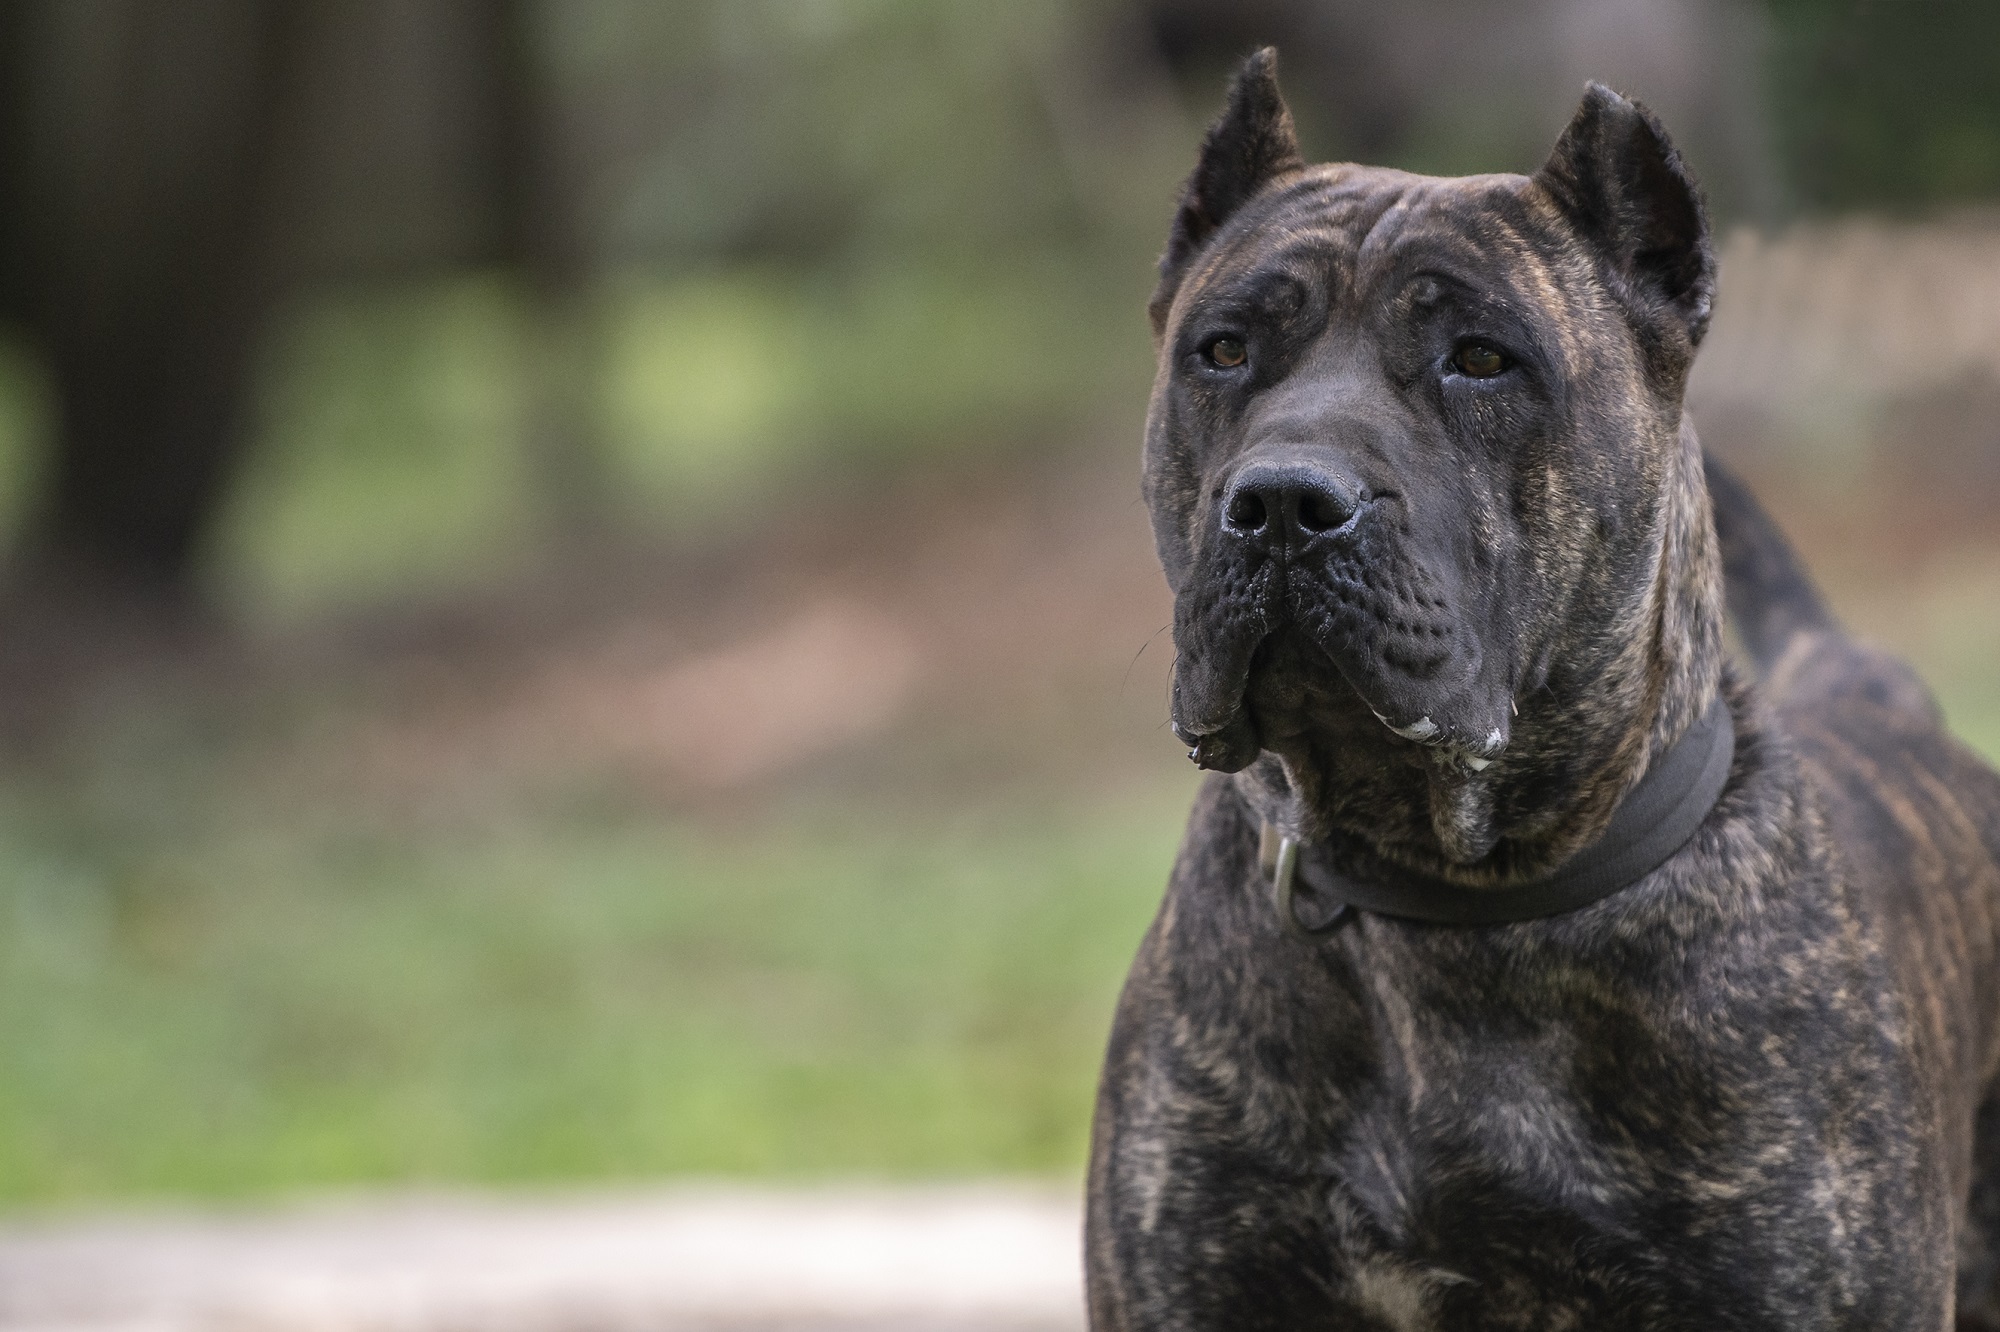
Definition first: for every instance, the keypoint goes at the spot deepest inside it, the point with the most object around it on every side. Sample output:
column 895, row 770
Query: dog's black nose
column 1275, row 505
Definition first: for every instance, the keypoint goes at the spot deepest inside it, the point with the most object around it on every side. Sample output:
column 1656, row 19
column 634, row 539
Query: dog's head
column 1419, row 479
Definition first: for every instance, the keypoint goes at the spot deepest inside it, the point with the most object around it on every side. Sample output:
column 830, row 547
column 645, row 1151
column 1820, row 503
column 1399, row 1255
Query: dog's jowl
column 1526, row 966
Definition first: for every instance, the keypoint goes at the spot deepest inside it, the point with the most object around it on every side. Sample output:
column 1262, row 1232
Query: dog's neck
column 1669, row 666
column 1672, row 663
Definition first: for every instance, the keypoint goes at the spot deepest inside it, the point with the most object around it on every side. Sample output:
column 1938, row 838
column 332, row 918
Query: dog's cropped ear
column 1617, row 178
column 1250, row 144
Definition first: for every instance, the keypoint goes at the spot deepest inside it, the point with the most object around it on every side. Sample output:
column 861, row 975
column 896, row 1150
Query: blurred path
column 977, row 1259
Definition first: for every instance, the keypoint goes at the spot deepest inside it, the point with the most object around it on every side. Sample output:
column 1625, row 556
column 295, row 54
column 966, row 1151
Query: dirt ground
column 986, row 1259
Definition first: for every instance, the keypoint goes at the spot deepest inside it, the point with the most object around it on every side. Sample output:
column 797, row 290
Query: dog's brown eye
column 1476, row 360
column 1228, row 353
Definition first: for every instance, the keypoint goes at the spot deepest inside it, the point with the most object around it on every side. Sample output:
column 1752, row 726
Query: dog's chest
column 1479, row 1185
column 1561, row 1156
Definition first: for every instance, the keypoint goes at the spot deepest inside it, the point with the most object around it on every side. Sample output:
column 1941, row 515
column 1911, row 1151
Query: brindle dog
column 1449, row 577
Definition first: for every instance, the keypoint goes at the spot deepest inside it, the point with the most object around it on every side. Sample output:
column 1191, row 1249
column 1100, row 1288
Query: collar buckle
column 1278, row 856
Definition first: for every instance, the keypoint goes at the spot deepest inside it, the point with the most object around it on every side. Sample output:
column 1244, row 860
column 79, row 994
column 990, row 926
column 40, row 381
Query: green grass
column 577, row 995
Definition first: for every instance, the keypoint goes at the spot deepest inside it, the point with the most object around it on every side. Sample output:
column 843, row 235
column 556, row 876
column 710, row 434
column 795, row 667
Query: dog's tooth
column 1475, row 763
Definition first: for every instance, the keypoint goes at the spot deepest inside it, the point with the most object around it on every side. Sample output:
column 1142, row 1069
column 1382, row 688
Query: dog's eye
column 1478, row 360
column 1227, row 353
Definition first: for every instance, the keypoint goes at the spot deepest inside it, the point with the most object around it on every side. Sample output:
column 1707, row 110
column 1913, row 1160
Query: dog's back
column 1915, row 818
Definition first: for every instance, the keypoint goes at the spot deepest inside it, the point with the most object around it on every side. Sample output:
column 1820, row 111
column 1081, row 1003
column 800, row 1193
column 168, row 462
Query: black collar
column 1654, row 820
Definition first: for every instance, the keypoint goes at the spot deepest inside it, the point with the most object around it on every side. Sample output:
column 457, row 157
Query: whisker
column 1127, row 679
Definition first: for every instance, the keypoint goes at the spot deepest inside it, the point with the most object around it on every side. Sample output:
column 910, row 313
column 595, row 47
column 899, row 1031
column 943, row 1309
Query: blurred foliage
column 1887, row 104
column 822, row 128
column 394, row 454
column 830, row 238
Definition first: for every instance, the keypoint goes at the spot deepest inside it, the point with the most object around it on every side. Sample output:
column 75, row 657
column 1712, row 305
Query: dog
column 1527, row 964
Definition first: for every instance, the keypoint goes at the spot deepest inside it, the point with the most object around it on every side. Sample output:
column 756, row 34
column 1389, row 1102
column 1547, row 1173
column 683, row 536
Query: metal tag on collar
column 1268, row 841
column 1278, row 854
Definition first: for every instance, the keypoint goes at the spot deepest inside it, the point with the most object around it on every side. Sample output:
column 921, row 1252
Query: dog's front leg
column 1187, row 1229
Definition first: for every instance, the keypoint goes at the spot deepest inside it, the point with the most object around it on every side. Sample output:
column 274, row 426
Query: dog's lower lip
column 1231, row 747
column 1223, row 700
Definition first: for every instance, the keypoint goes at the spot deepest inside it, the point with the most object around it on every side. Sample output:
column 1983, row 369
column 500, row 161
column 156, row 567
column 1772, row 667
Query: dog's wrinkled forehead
column 1357, row 239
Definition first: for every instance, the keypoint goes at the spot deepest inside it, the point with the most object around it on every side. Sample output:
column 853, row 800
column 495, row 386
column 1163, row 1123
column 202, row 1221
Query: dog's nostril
column 1321, row 512
column 1287, row 505
column 1246, row 512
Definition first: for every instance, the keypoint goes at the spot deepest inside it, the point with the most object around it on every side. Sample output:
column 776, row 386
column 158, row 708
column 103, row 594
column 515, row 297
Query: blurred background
column 576, row 608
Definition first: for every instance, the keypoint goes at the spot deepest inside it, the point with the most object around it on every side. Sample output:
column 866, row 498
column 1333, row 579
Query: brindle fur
column 1753, row 1090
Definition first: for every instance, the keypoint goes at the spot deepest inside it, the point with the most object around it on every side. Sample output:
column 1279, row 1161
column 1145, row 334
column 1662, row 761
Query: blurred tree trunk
column 140, row 142
column 534, row 188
